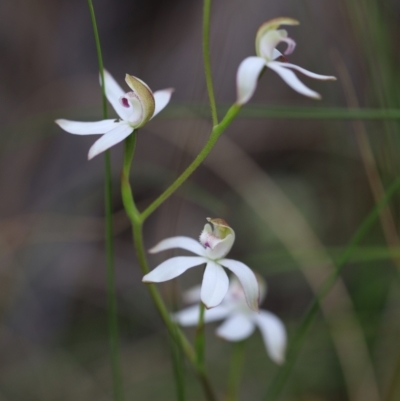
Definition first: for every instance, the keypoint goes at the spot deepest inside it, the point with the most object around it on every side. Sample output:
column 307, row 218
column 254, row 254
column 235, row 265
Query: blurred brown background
column 293, row 190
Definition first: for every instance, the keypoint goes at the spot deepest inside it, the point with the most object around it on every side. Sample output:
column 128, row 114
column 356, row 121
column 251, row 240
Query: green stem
column 178, row 368
column 137, row 229
column 295, row 345
column 200, row 341
column 232, row 391
column 118, row 386
column 206, row 57
column 215, row 134
column 99, row 57
column 112, row 310
column 127, row 197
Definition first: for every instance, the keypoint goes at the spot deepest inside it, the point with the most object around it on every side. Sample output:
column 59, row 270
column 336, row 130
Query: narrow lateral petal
column 172, row 268
column 247, row 77
column 214, row 286
column 113, row 94
column 190, row 316
column 274, row 335
column 161, row 99
column 87, row 128
column 247, row 279
column 290, row 78
column 236, row 328
column 186, row 243
column 306, row 72
column 111, row 138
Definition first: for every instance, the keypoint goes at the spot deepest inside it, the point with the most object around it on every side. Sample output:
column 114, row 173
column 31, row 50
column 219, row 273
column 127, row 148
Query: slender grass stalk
column 206, row 57
column 178, row 368
column 215, row 134
column 137, row 230
column 235, row 371
column 200, row 341
column 118, row 386
column 298, row 340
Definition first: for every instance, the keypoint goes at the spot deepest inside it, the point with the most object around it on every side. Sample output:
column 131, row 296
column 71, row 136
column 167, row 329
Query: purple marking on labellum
column 125, row 102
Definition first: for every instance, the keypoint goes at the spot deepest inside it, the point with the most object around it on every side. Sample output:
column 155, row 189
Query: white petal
column 247, row 77
column 161, row 98
column 186, row 243
column 190, row 316
column 273, row 333
column 114, row 92
column 290, row 78
column 270, row 40
column 221, row 248
column 87, row 128
column 215, row 285
column 236, row 328
column 111, row 138
column 248, row 280
column 172, row 268
column 276, row 54
column 306, row 72
column 133, row 108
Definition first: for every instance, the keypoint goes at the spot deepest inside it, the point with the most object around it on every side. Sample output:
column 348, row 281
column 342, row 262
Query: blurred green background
column 293, row 189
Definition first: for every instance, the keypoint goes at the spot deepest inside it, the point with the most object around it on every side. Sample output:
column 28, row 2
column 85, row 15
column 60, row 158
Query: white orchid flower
column 240, row 322
column 268, row 37
column 216, row 240
column 134, row 108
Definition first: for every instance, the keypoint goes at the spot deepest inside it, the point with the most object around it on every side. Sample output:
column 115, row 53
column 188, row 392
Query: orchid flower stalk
column 216, row 240
column 250, row 69
column 134, row 108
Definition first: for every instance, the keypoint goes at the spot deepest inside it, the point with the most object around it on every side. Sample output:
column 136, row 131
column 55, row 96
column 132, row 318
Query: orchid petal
column 236, row 328
column 222, row 248
column 187, row 243
column 161, row 98
column 276, row 54
column 113, row 94
column 290, row 78
column 134, row 108
column 217, row 237
column 306, row 72
column 214, row 286
column 172, row 268
column 273, row 333
column 270, row 40
column 144, row 95
column 246, row 78
column 190, row 316
column 111, row 138
column 270, row 26
column 248, row 280
column 87, row 128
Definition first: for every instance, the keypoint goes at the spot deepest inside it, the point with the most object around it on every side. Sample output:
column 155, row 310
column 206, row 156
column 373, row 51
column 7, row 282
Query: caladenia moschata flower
column 268, row 37
column 216, row 240
column 240, row 322
column 134, row 108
